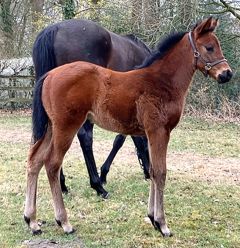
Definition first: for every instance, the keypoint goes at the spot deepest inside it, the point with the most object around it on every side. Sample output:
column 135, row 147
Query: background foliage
column 20, row 21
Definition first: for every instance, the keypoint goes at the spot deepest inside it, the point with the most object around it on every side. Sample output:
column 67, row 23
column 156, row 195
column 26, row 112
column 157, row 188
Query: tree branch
column 230, row 9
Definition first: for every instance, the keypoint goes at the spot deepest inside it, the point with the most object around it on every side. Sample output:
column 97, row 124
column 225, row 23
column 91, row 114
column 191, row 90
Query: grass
column 206, row 137
column 200, row 213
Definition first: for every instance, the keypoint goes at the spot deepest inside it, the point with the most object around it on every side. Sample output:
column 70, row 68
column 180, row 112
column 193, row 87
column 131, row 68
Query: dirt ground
column 41, row 243
column 212, row 169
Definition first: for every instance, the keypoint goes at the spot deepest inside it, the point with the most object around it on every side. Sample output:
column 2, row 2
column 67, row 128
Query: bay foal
column 83, row 40
column 147, row 101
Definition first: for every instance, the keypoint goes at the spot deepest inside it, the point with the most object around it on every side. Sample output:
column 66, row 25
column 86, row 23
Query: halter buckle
column 208, row 66
column 196, row 54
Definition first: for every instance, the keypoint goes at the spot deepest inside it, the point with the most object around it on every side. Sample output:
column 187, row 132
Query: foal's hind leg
column 117, row 144
column 60, row 143
column 85, row 136
column 35, row 162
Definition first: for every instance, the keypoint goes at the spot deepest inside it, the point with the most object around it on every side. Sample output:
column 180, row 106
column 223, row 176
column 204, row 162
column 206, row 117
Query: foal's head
column 207, row 51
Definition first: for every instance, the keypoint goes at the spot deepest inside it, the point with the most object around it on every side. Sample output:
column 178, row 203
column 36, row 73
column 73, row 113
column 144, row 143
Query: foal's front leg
column 158, row 141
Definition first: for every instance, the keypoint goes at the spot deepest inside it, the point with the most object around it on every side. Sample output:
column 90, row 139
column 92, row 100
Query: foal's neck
column 177, row 68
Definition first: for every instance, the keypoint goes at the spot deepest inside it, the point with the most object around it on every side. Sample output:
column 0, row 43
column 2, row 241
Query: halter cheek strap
column 207, row 65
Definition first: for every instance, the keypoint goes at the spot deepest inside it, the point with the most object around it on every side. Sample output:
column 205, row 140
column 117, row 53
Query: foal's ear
column 207, row 25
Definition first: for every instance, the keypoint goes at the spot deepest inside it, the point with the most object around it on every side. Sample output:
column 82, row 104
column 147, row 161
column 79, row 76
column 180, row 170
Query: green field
column 201, row 212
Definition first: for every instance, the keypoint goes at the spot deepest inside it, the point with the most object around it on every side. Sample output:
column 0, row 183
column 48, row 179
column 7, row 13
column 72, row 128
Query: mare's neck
column 177, row 68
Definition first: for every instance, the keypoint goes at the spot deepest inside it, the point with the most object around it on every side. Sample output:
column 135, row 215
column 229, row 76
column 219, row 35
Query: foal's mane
column 137, row 41
column 162, row 48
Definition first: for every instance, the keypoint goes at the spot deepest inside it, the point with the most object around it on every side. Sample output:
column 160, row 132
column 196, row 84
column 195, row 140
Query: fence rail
column 16, row 83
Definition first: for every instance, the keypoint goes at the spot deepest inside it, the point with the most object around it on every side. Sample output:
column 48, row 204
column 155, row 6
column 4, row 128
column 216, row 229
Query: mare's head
column 207, row 51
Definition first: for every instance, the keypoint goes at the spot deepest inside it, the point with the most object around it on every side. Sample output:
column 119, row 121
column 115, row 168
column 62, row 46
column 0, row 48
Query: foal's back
column 96, row 92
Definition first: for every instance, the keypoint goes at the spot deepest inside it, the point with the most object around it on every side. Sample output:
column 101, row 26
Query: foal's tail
column 44, row 60
column 39, row 115
column 43, row 51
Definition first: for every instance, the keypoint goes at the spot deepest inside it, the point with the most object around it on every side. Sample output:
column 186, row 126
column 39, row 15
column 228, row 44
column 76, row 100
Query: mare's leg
column 35, row 162
column 141, row 144
column 85, row 136
column 117, row 144
column 158, row 141
column 62, row 182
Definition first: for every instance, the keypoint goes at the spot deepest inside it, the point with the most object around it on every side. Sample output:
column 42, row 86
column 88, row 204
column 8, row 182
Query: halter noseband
column 207, row 65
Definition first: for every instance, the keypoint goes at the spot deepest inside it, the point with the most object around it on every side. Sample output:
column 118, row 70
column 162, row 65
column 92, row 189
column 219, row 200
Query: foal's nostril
column 225, row 76
column 229, row 74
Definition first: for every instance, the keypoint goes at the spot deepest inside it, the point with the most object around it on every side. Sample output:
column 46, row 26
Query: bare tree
column 187, row 12
column 36, row 11
column 6, row 28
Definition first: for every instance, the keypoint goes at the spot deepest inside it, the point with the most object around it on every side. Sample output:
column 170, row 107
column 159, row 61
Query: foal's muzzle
column 225, row 76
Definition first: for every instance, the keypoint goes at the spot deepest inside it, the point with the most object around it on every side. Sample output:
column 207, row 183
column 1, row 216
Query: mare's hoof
column 64, row 190
column 147, row 175
column 105, row 195
column 37, row 232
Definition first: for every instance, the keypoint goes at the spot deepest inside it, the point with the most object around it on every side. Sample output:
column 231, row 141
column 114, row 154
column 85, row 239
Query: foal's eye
column 209, row 48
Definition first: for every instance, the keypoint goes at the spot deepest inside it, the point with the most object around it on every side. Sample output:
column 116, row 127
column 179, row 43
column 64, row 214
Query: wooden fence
column 16, row 83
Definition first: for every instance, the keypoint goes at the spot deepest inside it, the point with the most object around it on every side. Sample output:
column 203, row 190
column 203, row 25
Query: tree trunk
column 37, row 10
column 136, row 15
column 7, row 28
column 187, row 12
column 149, row 13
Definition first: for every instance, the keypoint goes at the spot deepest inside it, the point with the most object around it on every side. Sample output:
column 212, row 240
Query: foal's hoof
column 67, row 228
column 162, row 229
column 37, row 232
column 71, row 232
column 33, row 226
column 27, row 220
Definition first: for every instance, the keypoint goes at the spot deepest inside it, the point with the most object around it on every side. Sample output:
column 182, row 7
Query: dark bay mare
column 84, row 40
column 145, row 101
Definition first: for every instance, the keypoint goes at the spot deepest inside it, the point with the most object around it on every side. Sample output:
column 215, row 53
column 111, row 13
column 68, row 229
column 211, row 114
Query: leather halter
column 207, row 65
